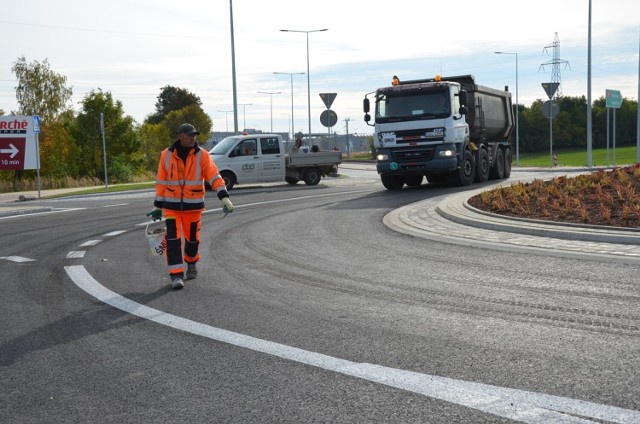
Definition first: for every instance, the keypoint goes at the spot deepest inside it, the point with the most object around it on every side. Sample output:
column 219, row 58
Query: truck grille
column 412, row 136
column 414, row 155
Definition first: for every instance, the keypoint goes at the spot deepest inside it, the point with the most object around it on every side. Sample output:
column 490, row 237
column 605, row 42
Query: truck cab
column 250, row 158
column 445, row 129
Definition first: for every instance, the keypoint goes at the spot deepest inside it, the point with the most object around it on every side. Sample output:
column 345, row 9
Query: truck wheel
column 291, row 180
column 229, row 179
column 392, row 182
column 497, row 172
column 413, row 180
column 482, row 166
column 466, row 171
column 312, row 176
column 507, row 162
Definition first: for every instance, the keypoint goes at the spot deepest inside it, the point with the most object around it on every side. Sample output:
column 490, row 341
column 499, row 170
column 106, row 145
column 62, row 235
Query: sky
column 133, row 48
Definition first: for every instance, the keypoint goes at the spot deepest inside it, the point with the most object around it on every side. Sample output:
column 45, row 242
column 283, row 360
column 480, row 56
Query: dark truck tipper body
column 449, row 130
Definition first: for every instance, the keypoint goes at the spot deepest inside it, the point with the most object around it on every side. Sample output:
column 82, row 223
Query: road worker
column 180, row 192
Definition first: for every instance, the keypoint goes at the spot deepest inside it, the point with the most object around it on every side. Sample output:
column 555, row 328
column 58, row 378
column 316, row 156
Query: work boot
column 192, row 272
column 176, row 282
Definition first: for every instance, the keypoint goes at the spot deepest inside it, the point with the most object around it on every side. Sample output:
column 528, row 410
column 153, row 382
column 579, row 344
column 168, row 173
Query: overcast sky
column 133, row 48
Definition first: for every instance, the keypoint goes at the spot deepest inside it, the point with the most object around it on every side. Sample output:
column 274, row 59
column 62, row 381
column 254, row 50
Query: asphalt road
column 306, row 309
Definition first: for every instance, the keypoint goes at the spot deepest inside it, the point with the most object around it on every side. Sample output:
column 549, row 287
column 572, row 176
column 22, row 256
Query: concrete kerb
column 457, row 209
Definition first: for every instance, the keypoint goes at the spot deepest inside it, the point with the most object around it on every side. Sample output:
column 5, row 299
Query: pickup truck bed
column 301, row 159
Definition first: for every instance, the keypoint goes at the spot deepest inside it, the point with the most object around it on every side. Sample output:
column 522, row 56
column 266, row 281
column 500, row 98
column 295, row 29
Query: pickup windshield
column 223, row 147
column 408, row 106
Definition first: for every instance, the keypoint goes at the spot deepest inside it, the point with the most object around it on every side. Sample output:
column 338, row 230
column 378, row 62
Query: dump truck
column 445, row 129
column 261, row 158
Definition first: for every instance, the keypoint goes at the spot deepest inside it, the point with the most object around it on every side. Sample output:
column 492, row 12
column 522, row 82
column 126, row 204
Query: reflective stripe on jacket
column 180, row 184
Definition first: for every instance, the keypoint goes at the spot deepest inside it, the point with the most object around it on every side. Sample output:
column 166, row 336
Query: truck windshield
column 407, row 106
column 223, row 147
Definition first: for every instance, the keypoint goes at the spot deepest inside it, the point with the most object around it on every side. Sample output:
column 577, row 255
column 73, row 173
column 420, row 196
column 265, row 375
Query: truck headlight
column 383, row 157
column 446, row 153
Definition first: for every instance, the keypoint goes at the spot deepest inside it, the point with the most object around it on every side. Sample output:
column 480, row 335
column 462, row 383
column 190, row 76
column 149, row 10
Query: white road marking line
column 25, row 215
column 90, row 243
column 115, row 233
column 76, row 254
column 17, row 259
column 113, row 206
column 520, row 405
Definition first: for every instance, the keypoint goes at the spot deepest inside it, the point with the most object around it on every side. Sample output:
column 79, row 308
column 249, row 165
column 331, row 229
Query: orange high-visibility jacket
column 180, row 185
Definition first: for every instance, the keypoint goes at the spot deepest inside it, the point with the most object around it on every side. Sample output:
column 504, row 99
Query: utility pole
column 346, row 122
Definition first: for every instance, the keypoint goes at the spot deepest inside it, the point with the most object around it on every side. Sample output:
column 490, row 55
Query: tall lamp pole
column 244, row 114
column 517, row 110
column 226, row 117
column 271, row 102
column 308, row 76
column 291, row 74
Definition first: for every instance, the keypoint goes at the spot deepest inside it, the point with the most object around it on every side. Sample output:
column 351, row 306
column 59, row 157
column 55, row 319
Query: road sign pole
column 38, row 163
column 607, row 136
column 614, row 137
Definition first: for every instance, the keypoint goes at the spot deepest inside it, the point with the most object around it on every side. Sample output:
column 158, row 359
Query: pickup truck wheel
column 497, row 172
column 291, row 180
column 312, row 176
column 392, row 182
column 229, row 179
column 482, row 166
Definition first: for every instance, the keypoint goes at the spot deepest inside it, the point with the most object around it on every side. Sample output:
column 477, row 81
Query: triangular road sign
column 550, row 88
column 328, row 99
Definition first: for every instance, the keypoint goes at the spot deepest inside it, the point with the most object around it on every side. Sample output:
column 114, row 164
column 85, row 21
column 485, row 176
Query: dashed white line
column 520, row 405
column 90, row 243
column 115, row 233
column 17, row 259
column 76, row 254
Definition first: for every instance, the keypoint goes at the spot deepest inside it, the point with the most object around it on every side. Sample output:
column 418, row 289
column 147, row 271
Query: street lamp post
column 226, row 117
column 291, row 74
column 271, row 102
column 244, row 114
column 308, row 76
column 517, row 108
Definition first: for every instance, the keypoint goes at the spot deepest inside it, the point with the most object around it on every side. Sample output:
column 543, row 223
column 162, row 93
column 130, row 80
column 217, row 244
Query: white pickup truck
column 260, row 158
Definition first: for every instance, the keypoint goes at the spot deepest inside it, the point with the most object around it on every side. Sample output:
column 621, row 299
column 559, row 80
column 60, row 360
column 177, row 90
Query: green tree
column 40, row 90
column 171, row 99
column 124, row 155
column 192, row 114
column 154, row 138
column 59, row 153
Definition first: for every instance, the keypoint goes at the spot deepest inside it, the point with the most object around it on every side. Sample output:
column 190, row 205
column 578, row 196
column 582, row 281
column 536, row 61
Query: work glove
column 155, row 214
column 227, row 206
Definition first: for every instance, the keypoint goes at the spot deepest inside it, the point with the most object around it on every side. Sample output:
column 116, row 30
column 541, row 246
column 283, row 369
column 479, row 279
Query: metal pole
column 517, row 114
column 226, row 117
column 291, row 74
column 614, row 136
column 104, row 150
column 589, row 128
column 517, row 109
column 271, row 101
column 233, row 72
column 607, row 136
column 638, row 108
column 308, row 78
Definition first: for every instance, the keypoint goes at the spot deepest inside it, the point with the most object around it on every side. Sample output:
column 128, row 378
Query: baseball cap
column 187, row 129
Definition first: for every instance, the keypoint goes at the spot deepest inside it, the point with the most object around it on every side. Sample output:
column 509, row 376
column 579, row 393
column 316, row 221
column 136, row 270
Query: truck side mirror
column 463, row 110
column 463, row 98
column 367, row 118
column 366, row 106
